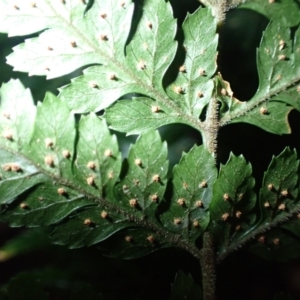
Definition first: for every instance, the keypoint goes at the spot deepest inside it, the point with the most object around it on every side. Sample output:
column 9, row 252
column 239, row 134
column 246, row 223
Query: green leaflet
column 138, row 115
column 278, row 67
column 148, row 55
column 280, row 244
column 191, row 90
column 193, row 87
column 132, row 243
column 152, row 47
column 145, row 181
column 287, row 9
column 13, row 111
column 193, row 181
column 53, row 174
column 276, row 60
column 98, row 88
column 71, row 41
column 271, row 117
column 17, row 175
column 232, row 202
column 53, row 135
column 42, row 206
column 88, row 226
column 276, row 245
column 98, row 160
column 279, row 193
column 277, row 203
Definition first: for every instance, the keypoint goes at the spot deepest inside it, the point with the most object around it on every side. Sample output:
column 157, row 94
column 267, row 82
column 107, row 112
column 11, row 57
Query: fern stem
column 208, row 268
column 211, row 128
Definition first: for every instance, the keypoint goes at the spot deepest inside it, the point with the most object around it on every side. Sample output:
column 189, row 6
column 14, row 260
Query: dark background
column 68, row 274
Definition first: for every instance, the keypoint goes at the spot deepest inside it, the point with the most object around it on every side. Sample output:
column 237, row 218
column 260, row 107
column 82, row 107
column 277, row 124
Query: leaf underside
column 69, row 174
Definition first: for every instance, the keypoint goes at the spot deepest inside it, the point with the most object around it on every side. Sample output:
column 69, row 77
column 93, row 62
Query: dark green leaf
column 132, row 243
column 89, row 226
column 279, row 193
column 232, row 201
column 184, row 287
column 278, row 244
column 145, row 182
column 193, row 180
column 278, row 61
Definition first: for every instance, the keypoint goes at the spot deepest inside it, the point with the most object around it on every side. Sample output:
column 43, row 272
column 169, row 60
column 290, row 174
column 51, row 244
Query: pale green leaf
column 275, row 10
column 17, row 175
column 138, row 115
column 271, row 117
column 54, row 133
column 149, row 53
column 193, row 87
column 98, row 157
column 72, row 40
column 98, row 88
column 14, row 132
column 152, row 48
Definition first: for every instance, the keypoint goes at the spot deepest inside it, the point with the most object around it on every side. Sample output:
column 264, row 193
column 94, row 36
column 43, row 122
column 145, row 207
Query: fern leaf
column 14, row 111
column 193, row 87
column 71, row 41
column 138, row 115
column 277, row 201
column 276, row 10
column 152, row 48
column 143, row 187
column 232, row 202
column 187, row 95
column 192, row 192
column 278, row 67
column 48, row 175
column 280, row 187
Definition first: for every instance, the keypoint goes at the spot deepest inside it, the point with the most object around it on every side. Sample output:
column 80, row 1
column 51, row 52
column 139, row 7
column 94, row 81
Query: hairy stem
column 208, row 268
column 210, row 133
